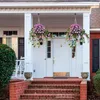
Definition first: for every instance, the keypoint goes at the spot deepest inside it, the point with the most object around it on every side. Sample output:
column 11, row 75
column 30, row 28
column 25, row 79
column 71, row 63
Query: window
column 58, row 34
column 9, row 33
column 48, row 49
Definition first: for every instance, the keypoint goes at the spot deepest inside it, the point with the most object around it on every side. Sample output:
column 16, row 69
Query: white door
column 39, row 65
column 61, row 55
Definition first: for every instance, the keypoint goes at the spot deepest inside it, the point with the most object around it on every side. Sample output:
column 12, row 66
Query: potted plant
column 28, row 75
column 37, row 34
column 84, row 75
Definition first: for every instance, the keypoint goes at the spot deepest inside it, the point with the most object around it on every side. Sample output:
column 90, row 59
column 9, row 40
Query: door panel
column 39, row 58
column 61, row 56
column 49, row 59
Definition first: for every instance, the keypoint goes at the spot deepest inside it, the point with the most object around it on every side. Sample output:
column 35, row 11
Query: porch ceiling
column 49, row 20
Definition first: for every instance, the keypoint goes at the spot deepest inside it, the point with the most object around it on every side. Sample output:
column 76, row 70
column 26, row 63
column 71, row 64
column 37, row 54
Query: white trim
column 45, row 4
column 45, row 11
column 95, row 29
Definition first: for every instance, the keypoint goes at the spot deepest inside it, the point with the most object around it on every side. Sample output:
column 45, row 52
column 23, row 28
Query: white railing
column 19, row 69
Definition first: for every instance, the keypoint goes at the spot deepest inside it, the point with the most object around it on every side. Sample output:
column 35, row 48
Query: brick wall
column 83, row 90
column 17, row 88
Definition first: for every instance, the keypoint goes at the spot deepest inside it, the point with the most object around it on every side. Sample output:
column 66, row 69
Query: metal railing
column 19, row 69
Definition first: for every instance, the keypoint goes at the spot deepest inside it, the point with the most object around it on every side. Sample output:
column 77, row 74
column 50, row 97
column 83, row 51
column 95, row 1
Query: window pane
column 9, row 41
column 48, row 55
column 10, row 32
column 14, row 33
column 49, row 49
column 49, row 43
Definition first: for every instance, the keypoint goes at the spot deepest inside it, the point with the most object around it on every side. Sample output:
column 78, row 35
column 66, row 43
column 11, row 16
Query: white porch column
column 28, row 24
column 86, row 45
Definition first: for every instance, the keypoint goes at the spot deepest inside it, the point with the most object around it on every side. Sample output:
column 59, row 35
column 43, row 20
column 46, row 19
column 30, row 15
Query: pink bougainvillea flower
column 39, row 28
column 75, row 29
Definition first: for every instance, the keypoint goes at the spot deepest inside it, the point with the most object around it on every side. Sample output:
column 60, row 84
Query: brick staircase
column 52, row 89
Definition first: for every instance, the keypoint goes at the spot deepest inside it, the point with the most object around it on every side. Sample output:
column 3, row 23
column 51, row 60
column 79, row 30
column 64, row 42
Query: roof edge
column 45, row 4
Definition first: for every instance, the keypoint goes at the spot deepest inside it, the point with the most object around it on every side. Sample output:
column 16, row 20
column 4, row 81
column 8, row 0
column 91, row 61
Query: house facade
column 54, row 55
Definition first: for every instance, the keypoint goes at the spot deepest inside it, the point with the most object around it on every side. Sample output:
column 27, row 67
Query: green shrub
column 96, row 81
column 7, row 64
column 98, row 72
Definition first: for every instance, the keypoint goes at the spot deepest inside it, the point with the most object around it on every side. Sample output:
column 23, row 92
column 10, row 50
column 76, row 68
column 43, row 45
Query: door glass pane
column 49, row 55
column 48, row 49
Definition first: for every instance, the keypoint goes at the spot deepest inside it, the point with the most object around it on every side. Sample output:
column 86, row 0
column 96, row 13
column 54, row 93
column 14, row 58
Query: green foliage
column 7, row 64
column 96, row 82
column 98, row 72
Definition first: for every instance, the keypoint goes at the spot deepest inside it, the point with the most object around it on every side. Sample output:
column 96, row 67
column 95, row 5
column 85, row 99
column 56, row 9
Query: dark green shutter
column 0, row 40
column 20, row 47
column 95, row 55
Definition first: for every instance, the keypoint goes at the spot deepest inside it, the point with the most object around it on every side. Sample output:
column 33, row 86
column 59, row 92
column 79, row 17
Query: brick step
column 53, row 86
column 50, row 96
column 52, row 91
column 58, row 81
column 53, row 99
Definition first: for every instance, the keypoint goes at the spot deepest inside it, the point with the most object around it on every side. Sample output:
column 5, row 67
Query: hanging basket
column 74, row 35
column 37, row 34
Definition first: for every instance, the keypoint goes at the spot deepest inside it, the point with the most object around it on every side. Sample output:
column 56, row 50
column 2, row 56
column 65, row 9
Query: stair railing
column 19, row 69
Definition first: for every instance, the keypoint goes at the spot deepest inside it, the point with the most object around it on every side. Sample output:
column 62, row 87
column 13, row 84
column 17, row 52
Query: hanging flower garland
column 75, row 34
column 37, row 34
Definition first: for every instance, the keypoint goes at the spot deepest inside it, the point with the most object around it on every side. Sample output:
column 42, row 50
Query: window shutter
column 20, row 47
column 95, row 55
column 0, row 40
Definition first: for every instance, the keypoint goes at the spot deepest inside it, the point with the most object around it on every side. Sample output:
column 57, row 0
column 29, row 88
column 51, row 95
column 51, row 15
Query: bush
column 7, row 64
column 98, row 72
column 96, row 82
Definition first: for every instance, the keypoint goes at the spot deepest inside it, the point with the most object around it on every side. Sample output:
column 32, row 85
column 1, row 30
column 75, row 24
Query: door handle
column 45, row 59
column 53, row 60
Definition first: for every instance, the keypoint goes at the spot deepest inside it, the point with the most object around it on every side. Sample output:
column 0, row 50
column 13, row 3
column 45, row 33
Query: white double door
column 52, row 56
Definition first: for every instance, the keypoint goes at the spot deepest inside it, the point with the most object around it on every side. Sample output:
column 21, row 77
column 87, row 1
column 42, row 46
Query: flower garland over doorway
column 75, row 34
column 38, row 33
